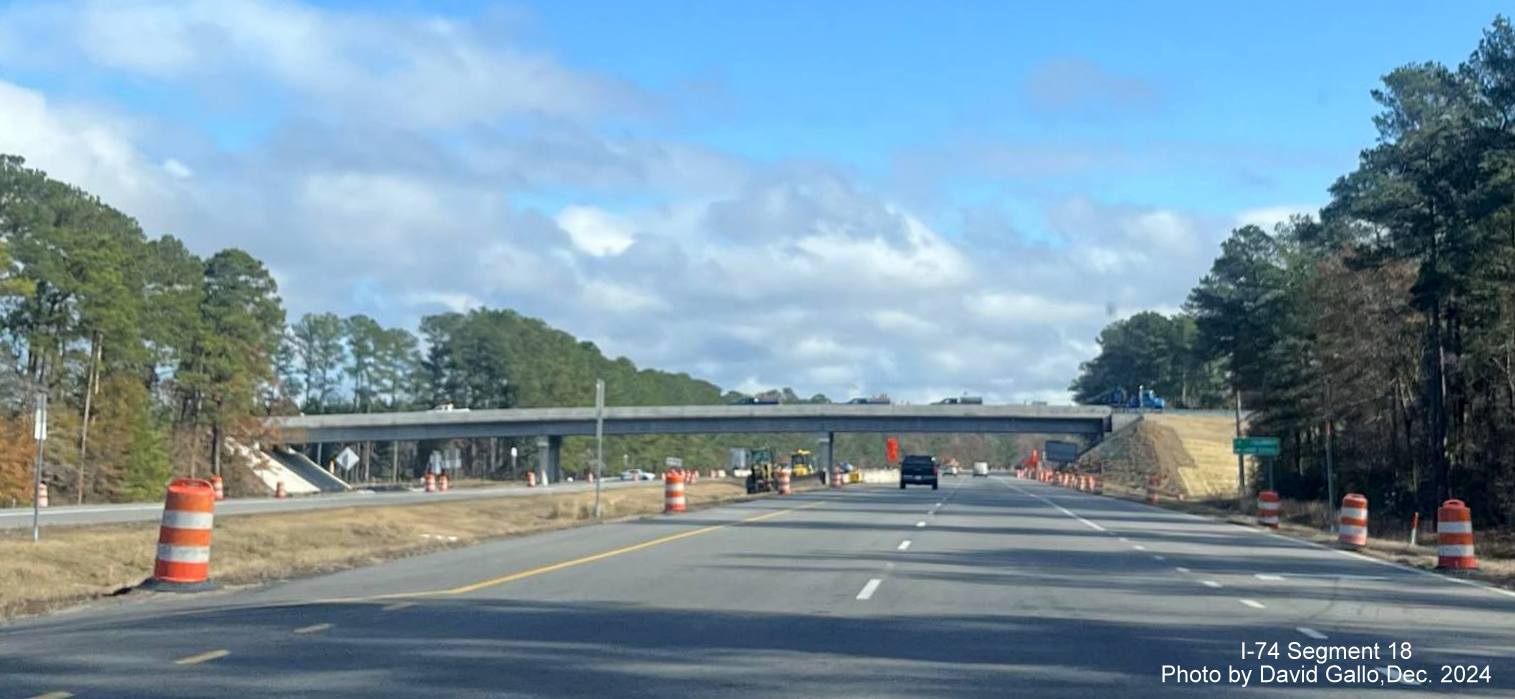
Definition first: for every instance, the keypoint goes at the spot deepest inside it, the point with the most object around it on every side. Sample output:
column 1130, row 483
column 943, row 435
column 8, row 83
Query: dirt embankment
column 1190, row 454
column 74, row 564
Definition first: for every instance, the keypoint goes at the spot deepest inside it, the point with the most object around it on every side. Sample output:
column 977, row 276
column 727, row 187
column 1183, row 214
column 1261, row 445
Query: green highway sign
column 1255, row 446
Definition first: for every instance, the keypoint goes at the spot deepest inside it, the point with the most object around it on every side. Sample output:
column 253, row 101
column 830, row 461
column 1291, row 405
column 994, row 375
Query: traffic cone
column 1352, row 525
column 218, row 486
column 673, row 491
column 183, row 560
column 1267, row 509
column 1454, row 537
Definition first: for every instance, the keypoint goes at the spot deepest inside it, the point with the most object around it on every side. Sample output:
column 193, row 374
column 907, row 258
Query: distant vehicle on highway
column 981, row 468
column 919, row 469
column 961, row 400
column 637, row 474
column 881, row 399
column 952, row 470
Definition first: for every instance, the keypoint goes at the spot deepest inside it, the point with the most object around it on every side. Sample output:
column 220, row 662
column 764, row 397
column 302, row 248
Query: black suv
column 918, row 469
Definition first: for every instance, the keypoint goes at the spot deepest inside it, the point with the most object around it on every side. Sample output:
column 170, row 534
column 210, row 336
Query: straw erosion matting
column 73, row 564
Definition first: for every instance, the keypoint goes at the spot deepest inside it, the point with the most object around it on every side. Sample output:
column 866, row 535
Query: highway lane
column 1003, row 587
column 150, row 512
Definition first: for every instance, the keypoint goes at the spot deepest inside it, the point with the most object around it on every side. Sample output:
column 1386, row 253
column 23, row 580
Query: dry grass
column 73, row 564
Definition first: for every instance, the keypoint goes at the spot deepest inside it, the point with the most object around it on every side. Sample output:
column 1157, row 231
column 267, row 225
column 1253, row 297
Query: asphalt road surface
column 152, row 512
column 992, row 587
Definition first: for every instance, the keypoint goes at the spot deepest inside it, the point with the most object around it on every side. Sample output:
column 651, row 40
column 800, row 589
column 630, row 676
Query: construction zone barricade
column 183, row 559
column 1267, row 509
column 1152, row 490
column 673, row 491
column 442, row 483
column 1454, row 537
column 219, row 486
column 836, row 478
column 1352, row 524
column 784, row 487
column 279, row 491
column 531, row 479
column 431, row 482
column 41, row 495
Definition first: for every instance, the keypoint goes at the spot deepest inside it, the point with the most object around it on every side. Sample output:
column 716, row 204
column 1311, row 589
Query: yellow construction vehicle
column 802, row 462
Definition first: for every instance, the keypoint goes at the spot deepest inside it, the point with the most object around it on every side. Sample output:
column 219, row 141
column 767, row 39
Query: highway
column 152, row 512
column 987, row 587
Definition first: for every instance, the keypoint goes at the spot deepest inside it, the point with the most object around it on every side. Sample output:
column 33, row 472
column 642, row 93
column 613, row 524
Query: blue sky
column 684, row 182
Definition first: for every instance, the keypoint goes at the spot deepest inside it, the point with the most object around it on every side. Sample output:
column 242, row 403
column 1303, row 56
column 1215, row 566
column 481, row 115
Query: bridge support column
column 548, row 450
column 825, row 452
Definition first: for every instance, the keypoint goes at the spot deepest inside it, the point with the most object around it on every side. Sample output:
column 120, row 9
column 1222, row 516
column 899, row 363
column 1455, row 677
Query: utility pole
column 599, row 442
column 39, row 433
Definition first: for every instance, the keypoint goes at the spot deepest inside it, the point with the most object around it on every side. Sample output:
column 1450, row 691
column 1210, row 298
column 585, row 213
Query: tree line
column 1381, row 329
column 151, row 355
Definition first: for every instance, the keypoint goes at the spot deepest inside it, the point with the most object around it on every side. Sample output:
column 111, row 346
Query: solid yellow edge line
column 473, row 587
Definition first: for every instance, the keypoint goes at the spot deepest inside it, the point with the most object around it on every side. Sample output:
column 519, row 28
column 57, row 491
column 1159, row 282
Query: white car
column 980, row 468
column 952, row 470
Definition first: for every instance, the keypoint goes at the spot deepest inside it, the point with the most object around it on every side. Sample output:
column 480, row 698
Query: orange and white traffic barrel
column 673, row 491
column 531, row 479
column 279, row 491
column 184, row 537
column 1454, row 536
column 591, row 476
column 836, row 478
column 1099, row 485
column 1267, row 509
column 1152, row 490
column 431, row 483
column 784, row 488
column 1352, row 525
column 442, row 483
column 218, row 486
column 41, row 495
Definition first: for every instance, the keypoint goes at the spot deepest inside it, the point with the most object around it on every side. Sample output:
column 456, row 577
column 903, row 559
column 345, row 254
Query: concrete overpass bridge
column 550, row 425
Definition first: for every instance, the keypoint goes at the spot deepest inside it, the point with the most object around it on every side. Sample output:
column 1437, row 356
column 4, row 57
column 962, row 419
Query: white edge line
column 1253, row 603
column 869, row 588
column 1181, row 569
column 1312, row 633
column 903, row 545
column 920, row 524
column 1210, row 583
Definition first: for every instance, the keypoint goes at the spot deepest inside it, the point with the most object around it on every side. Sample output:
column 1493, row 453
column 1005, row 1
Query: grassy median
column 75, row 564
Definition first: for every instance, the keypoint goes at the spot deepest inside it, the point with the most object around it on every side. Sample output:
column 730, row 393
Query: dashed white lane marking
column 920, row 524
column 1059, row 508
column 396, row 606
column 1312, row 633
column 53, row 695
column 1384, row 670
column 1139, row 547
column 1181, row 569
column 903, row 545
column 1210, row 583
column 1253, row 603
column 1271, row 578
column 1156, row 557
column 313, row 628
column 1124, row 539
column 870, row 588
column 198, row 658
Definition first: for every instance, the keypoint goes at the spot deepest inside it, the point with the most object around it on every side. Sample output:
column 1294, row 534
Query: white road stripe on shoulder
column 903, row 545
column 1312, row 633
column 1253, row 603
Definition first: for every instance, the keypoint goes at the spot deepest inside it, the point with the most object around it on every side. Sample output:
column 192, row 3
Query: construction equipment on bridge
column 1143, row 399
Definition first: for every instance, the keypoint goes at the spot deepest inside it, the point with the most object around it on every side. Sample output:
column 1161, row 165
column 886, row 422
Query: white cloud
column 754, row 275
column 177, row 170
column 424, row 71
column 594, row 231
column 1269, row 216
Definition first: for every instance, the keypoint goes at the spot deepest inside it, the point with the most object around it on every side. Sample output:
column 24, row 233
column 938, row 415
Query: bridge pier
column 825, row 454
column 549, row 450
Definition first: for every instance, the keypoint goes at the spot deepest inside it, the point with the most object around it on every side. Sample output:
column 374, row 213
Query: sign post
column 39, row 433
column 599, row 442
